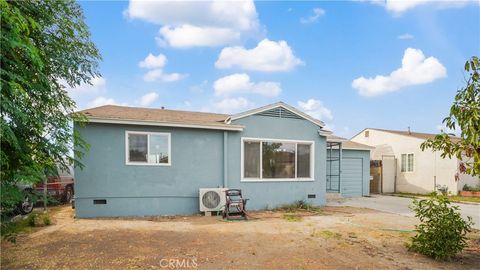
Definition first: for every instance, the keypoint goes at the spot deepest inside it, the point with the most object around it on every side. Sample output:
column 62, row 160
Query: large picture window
column 147, row 148
column 266, row 160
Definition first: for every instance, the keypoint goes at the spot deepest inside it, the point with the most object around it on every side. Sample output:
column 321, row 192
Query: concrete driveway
column 399, row 205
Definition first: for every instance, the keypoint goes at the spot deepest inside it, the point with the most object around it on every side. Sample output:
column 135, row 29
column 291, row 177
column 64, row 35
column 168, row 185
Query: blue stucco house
column 148, row 162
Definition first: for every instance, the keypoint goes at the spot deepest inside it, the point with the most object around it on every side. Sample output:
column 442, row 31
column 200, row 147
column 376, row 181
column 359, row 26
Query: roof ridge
column 407, row 132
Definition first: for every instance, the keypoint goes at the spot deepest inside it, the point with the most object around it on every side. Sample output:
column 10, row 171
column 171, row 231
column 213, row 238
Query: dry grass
column 339, row 238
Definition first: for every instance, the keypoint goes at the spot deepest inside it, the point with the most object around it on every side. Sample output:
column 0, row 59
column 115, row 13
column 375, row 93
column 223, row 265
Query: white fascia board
column 324, row 132
column 162, row 124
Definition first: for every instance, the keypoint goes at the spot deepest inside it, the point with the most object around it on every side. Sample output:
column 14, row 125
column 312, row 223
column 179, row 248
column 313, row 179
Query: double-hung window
column 147, row 148
column 277, row 160
column 407, row 162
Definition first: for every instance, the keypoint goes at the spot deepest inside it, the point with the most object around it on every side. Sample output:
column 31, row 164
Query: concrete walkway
column 399, row 205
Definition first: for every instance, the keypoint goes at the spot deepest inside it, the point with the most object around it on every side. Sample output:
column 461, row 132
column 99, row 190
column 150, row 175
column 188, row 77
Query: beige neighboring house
column 414, row 171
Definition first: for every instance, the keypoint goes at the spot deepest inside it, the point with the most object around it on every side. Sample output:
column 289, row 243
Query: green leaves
column 465, row 115
column 442, row 232
column 43, row 43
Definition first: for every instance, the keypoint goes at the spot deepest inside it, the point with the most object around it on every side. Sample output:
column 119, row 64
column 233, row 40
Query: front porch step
column 334, row 197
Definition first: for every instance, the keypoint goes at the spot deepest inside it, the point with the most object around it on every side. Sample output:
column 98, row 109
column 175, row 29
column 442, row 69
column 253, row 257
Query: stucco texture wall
column 429, row 168
column 132, row 190
column 197, row 161
column 269, row 194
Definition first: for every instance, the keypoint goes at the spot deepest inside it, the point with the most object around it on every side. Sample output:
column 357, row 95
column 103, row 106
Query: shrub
column 46, row 219
column 441, row 233
column 298, row 205
column 8, row 231
column 471, row 188
column 31, row 220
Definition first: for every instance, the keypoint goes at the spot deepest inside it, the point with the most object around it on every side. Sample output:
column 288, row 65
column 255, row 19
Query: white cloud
column 405, row 36
column 415, row 70
column 268, row 56
column 401, row 6
column 316, row 109
column 240, row 83
column 158, row 75
column 186, row 36
column 232, row 104
column 98, row 84
column 152, row 61
column 317, row 13
column 155, row 64
column 100, row 101
column 147, row 99
column 397, row 7
column 197, row 23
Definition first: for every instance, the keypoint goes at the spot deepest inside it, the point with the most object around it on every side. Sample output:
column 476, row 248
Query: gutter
column 164, row 124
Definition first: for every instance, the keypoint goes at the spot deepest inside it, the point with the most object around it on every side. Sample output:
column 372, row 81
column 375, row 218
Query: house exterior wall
column 197, row 161
column 269, row 194
column 429, row 168
column 132, row 190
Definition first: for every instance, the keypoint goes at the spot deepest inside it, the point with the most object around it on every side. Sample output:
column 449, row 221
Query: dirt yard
column 335, row 238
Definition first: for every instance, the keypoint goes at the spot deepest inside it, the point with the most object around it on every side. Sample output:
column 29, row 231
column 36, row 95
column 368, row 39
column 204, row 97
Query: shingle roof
column 124, row 113
column 355, row 145
column 347, row 144
column 419, row 135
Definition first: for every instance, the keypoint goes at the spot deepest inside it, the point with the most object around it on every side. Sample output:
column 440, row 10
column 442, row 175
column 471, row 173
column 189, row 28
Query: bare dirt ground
column 335, row 238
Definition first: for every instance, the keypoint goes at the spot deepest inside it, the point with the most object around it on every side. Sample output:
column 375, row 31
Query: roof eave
column 324, row 132
column 163, row 124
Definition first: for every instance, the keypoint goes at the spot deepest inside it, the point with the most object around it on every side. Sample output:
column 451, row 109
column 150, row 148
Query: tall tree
column 45, row 45
column 465, row 116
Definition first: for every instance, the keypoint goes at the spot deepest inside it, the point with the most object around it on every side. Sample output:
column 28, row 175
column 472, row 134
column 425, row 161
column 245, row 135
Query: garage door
column 352, row 174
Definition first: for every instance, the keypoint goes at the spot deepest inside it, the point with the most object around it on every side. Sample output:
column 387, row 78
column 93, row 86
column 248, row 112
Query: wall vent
column 279, row 112
column 99, row 201
column 311, row 196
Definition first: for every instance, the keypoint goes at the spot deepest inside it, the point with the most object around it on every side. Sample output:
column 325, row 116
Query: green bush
column 46, row 219
column 8, row 230
column 32, row 220
column 441, row 233
column 471, row 188
column 298, row 205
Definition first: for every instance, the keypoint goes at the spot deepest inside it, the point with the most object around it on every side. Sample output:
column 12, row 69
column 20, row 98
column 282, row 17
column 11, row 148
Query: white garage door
column 352, row 176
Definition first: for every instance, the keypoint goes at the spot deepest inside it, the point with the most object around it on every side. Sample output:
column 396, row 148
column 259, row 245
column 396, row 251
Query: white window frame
column 148, row 133
column 261, row 179
column 406, row 163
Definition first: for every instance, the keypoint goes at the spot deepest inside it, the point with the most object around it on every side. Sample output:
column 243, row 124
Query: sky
column 352, row 64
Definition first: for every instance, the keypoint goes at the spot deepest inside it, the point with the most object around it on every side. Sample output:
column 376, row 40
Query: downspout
column 225, row 159
column 340, row 150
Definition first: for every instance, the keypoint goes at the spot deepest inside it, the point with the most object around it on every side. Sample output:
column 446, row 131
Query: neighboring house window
column 367, row 134
column 277, row 159
column 407, row 162
column 147, row 148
